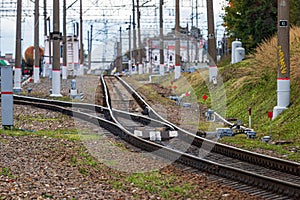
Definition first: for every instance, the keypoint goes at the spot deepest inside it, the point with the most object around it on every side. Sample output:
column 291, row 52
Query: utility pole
column 90, row 39
column 140, row 65
column 177, row 42
column 56, row 36
column 192, row 18
column 18, row 69
column 283, row 58
column 211, row 33
column 118, row 65
column 81, row 37
column 64, row 67
column 36, row 68
column 45, row 34
column 161, row 36
column 197, row 15
column 45, row 19
column 129, row 35
column 50, row 43
column 188, row 42
column 120, row 50
column 197, row 34
column 134, row 33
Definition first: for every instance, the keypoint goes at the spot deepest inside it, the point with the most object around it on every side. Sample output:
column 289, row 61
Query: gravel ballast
column 35, row 165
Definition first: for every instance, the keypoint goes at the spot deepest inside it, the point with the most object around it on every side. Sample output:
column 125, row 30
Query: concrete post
column 7, row 94
column 56, row 36
column 283, row 58
column 18, row 69
column 177, row 42
column 36, row 68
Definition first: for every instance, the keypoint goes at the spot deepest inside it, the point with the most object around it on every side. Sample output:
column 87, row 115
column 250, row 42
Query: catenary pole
column 120, row 67
column 45, row 34
column 56, row 36
column 50, row 42
column 134, row 33
column 161, row 37
column 36, row 68
column 64, row 42
column 18, row 70
column 211, row 34
column 140, row 64
column 283, row 58
column 177, row 41
column 130, row 50
column 45, row 18
column 81, row 37
column 197, row 33
column 90, row 39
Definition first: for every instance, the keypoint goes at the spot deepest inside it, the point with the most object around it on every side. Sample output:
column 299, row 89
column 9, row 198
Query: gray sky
column 111, row 10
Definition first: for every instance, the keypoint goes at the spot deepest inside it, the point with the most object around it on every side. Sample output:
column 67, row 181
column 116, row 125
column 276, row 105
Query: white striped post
column 7, row 95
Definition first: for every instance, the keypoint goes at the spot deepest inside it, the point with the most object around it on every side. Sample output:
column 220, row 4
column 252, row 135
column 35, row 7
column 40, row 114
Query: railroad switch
column 235, row 129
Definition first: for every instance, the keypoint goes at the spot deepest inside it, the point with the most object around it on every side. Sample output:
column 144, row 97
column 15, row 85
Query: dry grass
column 266, row 55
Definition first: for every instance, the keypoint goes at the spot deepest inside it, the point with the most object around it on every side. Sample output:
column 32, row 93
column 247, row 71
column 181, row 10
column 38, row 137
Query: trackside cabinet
column 7, row 106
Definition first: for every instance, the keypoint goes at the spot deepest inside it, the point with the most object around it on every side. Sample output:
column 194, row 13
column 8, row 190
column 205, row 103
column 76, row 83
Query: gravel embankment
column 39, row 166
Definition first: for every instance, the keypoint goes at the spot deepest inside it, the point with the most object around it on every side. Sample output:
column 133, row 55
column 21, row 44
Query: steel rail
column 275, row 185
column 97, row 108
column 230, row 151
column 224, row 170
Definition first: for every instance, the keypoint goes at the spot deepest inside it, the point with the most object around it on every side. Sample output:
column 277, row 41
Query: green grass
column 247, row 85
column 258, row 91
column 6, row 171
column 253, row 83
column 70, row 134
column 155, row 183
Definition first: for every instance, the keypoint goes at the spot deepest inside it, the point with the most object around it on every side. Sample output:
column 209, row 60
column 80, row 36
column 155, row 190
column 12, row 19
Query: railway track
column 132, row 114
column 256, row 174
column 270, row 174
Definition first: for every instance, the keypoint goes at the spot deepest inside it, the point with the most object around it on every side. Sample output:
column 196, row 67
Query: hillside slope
column 253, row 83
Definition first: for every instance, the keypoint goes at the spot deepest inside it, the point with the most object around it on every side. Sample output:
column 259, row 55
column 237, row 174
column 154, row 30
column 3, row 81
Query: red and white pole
column 7, row 103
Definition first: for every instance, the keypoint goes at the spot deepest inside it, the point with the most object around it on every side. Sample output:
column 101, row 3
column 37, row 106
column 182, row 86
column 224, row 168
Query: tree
column 295, row 12
column 251, row 21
